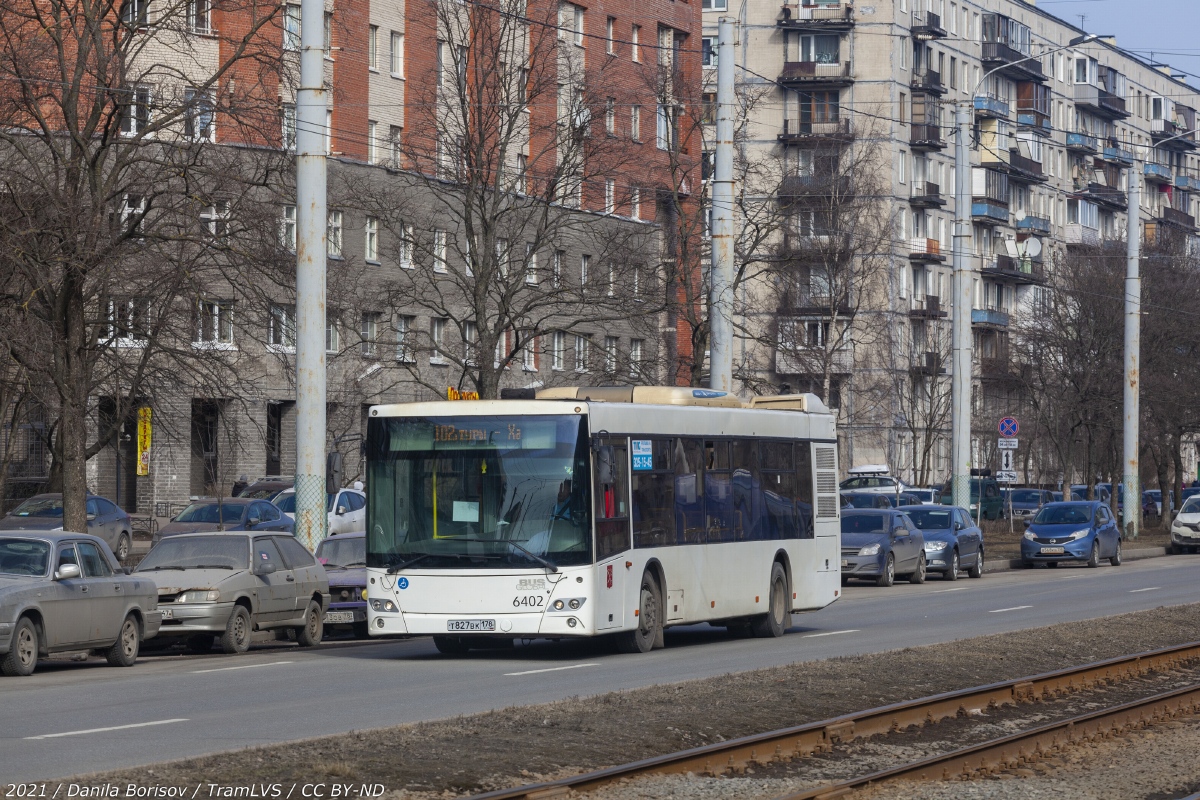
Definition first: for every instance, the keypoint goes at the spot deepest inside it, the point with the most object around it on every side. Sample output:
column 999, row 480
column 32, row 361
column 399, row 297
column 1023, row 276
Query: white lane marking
column 551, row 669
column 943, row 591
column 1002, row 610
column 830, row 633
column 1147, row 589
column 106, row 730
column 242, row 666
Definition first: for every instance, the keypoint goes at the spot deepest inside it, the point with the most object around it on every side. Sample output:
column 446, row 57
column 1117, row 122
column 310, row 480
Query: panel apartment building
column 1056, row 131
column 583, row 101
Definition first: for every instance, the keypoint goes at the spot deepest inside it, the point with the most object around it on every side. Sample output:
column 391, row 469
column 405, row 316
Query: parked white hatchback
column 873, row 479
column 1185, row 529
column 347, row 509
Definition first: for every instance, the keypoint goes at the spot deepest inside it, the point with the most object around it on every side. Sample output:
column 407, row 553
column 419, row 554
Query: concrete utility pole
column 311, row 221
column 960, row 387
column 1132, row 499
column 720, row 292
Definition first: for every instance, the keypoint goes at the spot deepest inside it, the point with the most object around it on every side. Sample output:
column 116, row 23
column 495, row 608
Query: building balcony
column 1115, row 154
column 1008, row 269
column 1035, row 119
column 797, row 188
column 1077, row 235
column 827, row 17
column 799, row 132
column 809, row 360
column 1110, row 197
column 815, row 74
column 1023, row 168
column 928, row 25
column 996, row 368
column 1099, row 101
column 989, row 318
column 1158, row 173
column 928, row 81
column 1186, row 183
column 930, row 307
column 1036, row 225
column 991, row 108
column 1083, row 143
column 1011, row 63
column 926, row 250
column 989, row 212
column 929, row 364
column 926, row 137
column 925, row 194
column 805, row 304
column 1181, row 138
column 1178, row 219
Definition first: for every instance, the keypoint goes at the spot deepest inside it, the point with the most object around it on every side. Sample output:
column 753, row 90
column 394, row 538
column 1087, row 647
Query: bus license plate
column 1053, row 550
column 471, row 625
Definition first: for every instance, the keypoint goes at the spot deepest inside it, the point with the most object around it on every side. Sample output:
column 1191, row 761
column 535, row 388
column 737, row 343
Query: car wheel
column 976, row 571
column 778, row 617
column 122, row 551
column 951, row 573
column 1094, row 556
column 1116, row 557
column 919, row 575
column 236, row 638
column 201, row 643
column 888, row 577
column 649, row 622
column 310, row 633
column 22, row 651
column 124, row 650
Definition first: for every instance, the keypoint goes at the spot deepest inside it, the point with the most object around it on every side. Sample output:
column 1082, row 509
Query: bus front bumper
column 552, row 624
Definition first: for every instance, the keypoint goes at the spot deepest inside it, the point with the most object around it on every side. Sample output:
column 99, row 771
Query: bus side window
column 718, row 492
column 804, row 489
column 747, row 489
column 611, row 460
column 654, row 498
column 779, row 490
column 689, row 491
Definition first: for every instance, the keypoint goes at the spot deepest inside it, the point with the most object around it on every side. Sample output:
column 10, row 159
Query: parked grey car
column 231, row 583
column 953, row 541
column 881, row 545
column 44, row 512
column 65, row 591
column 229, row 514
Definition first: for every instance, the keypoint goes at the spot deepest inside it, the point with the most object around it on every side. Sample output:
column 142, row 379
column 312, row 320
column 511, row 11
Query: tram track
column 771, row 750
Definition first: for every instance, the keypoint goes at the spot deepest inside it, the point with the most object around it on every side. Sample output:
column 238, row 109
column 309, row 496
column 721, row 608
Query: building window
column 708, row 51
column 281, row 331
column 470, row 333
column 371, row 244
column 328, row 131
column 531, row 264
column 135, row 116
column 635, row 123
column 214, row 220
column 404, row 350
column 289, row 126
column 287, row 228
column 585, row 269
column 333, row 333
column 439, row 251
column 406, row 246
column 635, row 281
column 372, row 146
column 291, row 27
column 199, row 14
column 713, row 5
column 199, row 116
column 610, row 116
column 333, row 234
column 214, row 322
column 610, row 354
column 437, row 333
column 373, row 46
column 127, row 321
column 612, row 279
column 570, row 23
column 634, row 35
column 556, row 271
column 329, row 34
column 668, row 126
column 397, row 55
column 558, row 344
column 608, row 35
column 581, row 353
column 133, row 211
column 529, row 355
column 369, row 333
column 133, row 13
column 610, row 196
column 635, row 357
column 394, row 147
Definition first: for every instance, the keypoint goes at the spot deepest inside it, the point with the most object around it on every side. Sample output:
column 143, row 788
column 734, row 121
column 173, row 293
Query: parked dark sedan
column 952, row 540
column 226, row 514
column 1026, row 502
column 44, row 512
column 881, row 544
column 345, row 560
column 1075, row 531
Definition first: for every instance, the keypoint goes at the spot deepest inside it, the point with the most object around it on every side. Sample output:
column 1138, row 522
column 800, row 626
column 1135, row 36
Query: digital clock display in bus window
column 468, row 433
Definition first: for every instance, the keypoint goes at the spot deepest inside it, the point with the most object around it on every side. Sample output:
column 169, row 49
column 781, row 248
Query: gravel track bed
column 509, row 747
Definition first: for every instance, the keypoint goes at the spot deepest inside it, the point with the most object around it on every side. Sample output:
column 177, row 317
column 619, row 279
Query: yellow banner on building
column 143, row 441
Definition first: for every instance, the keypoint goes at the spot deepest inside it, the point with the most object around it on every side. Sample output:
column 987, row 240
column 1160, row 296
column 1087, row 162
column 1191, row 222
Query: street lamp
column 960, row 387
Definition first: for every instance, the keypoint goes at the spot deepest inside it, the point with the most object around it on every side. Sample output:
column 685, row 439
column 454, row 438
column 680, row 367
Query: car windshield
column 1026, row 496
column 1072, row 514
column 478, row 492
column 207, row 512
column 287, row 503
column 1191, row 506
column 865, row 523
column 931, row 520
column 24, row 556
column 337, row 552
column 39, row 507
column 197, row 552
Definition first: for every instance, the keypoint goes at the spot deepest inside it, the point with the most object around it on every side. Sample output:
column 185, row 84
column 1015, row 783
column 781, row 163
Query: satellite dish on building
column 1033, row 247
column 1020, row 215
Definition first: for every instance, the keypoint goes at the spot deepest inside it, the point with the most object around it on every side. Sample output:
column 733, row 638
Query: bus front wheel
column 648, row 632
column 778, row 618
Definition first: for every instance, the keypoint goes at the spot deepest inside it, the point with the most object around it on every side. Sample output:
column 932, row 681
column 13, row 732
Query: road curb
column 1006, row 564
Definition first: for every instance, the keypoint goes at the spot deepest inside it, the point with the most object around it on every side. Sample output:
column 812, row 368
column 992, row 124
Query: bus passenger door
column 610, row 499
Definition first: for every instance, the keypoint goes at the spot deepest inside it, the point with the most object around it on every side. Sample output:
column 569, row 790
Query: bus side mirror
column 606, row 458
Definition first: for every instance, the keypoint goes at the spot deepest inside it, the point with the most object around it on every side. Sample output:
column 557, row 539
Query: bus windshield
column 478, row 492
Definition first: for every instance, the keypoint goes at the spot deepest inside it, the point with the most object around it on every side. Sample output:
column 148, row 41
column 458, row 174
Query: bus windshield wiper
column 394, row 568
column 545, row 562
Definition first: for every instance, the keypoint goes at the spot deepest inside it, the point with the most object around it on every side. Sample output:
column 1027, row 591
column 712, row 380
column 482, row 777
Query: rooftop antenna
column 1083, row 22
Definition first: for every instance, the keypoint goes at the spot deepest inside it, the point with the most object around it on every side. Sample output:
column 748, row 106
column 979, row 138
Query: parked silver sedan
column 65, row 591
column 229, row 584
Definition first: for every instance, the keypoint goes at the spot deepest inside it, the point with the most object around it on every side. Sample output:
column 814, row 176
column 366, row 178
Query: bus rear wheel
column 778, row 618
column 648, row 632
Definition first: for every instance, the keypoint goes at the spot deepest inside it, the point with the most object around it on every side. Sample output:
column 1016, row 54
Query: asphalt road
column 71, row 718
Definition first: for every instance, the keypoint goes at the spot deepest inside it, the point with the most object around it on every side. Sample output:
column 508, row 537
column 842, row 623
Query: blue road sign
column 1009, row 427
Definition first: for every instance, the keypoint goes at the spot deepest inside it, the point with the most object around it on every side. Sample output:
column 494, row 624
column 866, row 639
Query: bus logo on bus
column 531, row 584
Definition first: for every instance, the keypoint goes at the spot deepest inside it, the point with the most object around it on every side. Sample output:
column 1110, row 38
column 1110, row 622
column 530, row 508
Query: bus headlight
column 572, row 603
column 384, row 605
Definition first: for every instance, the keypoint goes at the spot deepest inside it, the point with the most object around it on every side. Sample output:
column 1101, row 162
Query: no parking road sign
column 1008, row 427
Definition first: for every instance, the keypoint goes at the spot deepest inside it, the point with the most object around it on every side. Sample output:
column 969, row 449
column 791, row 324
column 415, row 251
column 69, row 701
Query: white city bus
column 597, row 511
